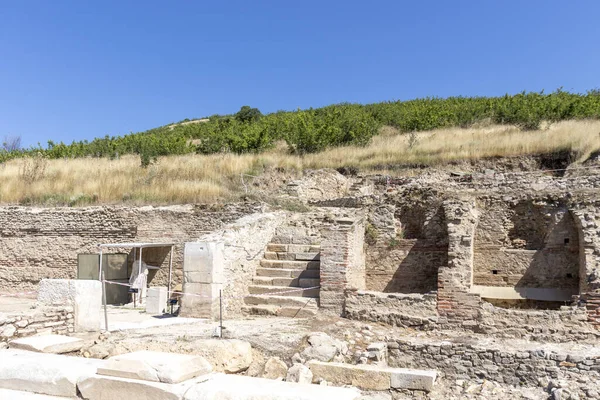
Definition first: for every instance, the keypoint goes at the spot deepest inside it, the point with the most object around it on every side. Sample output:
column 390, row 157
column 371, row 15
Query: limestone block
column 413, row 379
column 156, row 300
column 56, row 344
column 299, row 373
column 85, row 296
column 101, row 387
column 230, row 387
column 49, row 374
column 203, row 262
column 378, row 351
column 275, row 369
column 323, row 347
column 8, row 331
column 205, row 305
column 156, row 366
column 20, row 395
column 372, row 377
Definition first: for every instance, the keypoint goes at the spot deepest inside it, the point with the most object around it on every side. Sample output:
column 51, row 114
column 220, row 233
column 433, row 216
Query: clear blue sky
column 81, row 69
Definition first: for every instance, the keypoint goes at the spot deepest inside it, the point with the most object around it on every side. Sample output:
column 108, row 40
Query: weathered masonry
column 38, row 243
column 524, row 252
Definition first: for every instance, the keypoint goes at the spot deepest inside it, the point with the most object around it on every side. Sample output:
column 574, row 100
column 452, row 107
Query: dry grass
column 197, row 178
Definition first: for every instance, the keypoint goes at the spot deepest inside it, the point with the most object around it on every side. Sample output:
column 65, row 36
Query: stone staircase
column 283, row 268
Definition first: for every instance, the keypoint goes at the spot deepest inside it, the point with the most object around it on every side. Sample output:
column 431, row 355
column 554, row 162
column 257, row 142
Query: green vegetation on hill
column 313, row 130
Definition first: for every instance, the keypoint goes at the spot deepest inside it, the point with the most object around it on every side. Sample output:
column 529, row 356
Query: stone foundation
column 59, row 320
column 417, row 311
column 474, row 361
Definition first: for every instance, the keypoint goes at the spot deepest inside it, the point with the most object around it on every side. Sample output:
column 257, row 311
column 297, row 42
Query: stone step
column 292, row 248
column 266, row 289
column 295, row 240
column 289, row 282
column 290, row 264
column 288, row 273
column 277, row 311
column 272, row 255
column 282, row 301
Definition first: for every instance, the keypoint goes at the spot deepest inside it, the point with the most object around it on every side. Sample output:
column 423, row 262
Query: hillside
column 227, row 176
column 315, row 130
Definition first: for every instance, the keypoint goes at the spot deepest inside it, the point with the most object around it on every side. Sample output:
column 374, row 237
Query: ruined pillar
column 203, row 278
column 587, row 219
column 455, row 301
column 342, row 261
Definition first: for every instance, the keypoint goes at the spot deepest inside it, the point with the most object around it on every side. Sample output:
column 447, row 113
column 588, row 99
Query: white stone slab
column 413, row 379
column 156, row 301
column 156, row 366
column 237, row 387
column 56, row 344
column 373, row 377
column 7, row 394
column 49, row 374
column 85, row 296
column 100, row 387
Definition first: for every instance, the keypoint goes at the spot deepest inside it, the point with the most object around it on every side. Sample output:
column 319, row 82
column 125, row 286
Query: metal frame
column 133, row 246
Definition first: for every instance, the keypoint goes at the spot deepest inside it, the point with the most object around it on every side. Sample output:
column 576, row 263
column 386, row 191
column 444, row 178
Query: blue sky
column 72, row 70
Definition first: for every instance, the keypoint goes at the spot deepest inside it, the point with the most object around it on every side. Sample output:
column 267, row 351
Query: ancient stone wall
column 563, row 325
column 44, row 320
column 38, row 243
column 526, row 244
column 456, row 360
column 416, row 311
column 406, row 247
column 456, row 303
column 244, row 244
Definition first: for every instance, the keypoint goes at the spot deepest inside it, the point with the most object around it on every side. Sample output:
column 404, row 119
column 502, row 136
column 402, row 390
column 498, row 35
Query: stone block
column 203, row 262
column 21, row 395
column 413, row 379
column 56, row 344
column 103, row 387
column 247, row 388
column 205, row 305
column 299, row 373
column 275, row 369
column 155, row 366
column 48, row 374
column 85, row 296
column 372, row 377
column 156, row 300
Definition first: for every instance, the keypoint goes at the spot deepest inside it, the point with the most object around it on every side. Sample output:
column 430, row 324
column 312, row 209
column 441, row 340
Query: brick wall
column 342, row 261
column 455, row 302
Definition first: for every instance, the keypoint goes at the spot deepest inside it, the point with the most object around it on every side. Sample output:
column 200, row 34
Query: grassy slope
column 205, row 178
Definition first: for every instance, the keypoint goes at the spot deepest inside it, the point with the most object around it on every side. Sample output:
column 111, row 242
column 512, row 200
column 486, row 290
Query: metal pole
column 104, row 301
column 220, row 314
column 139, row 273
column 170, row 269
column 100, row 266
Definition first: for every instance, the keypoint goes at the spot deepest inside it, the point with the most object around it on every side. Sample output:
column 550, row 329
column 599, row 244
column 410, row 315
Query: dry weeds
column 200, row 178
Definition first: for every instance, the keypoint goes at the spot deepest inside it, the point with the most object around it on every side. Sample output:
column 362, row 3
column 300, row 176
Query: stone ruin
column 502, row 255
